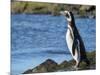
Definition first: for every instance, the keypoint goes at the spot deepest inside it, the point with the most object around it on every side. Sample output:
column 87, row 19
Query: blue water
column 36, row 38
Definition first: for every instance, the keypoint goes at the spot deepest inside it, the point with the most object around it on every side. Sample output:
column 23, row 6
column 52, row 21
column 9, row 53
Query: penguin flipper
column 75, row 46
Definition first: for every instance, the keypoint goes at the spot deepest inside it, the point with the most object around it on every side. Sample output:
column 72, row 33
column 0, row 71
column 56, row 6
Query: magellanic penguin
column 74, row 40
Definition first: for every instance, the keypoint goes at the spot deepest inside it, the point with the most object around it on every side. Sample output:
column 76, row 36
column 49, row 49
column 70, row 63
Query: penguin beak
column 66, row 14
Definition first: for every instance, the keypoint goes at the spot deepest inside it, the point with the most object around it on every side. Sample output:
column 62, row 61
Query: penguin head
column 69, row 16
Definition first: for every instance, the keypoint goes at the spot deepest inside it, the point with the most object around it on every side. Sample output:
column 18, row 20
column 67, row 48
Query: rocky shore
column 51, row 66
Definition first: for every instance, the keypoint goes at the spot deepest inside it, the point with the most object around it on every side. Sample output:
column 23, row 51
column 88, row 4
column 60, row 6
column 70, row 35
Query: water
column 36, row 38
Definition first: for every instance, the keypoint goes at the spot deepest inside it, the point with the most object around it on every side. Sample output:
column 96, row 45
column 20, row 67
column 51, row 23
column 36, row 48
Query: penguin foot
column 75, row 68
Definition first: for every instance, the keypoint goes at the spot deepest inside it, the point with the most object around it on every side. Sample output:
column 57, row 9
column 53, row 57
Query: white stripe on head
column 68, row 16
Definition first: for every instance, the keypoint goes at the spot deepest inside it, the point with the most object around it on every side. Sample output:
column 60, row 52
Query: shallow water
column 36, row 38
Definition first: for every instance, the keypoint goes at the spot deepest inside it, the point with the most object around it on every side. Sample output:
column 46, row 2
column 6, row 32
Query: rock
column 28, row 71
column 64, row 64
column 91, row 57
column 51, row 66
column 47, row 66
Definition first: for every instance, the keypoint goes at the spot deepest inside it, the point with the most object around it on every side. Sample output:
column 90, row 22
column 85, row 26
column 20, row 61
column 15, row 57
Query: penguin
column 74, row 40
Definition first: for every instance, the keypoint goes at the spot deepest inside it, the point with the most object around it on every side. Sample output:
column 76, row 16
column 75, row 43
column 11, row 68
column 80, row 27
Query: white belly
column 69, row 40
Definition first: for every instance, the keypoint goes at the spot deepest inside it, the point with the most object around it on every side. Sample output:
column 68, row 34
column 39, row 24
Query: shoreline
column 50, row 65
column 76, row 16
column 19, row 7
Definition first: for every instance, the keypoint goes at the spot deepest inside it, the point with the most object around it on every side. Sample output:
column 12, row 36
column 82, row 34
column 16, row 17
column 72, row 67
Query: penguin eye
column 67, row 15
